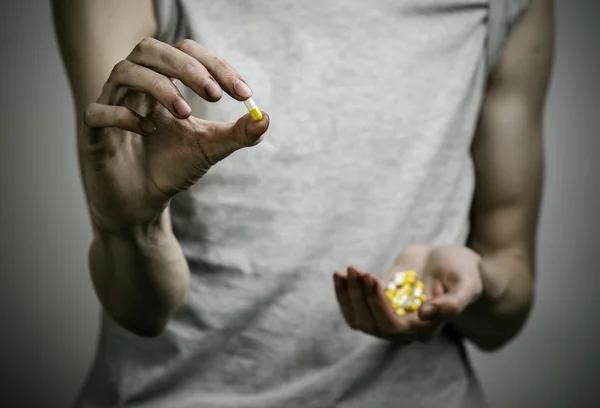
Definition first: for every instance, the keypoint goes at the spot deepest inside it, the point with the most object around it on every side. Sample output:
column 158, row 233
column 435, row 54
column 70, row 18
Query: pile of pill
column 405, row 293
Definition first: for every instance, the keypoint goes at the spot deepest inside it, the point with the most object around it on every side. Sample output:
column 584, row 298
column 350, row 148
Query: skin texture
column 139, row 146
column 485, row 290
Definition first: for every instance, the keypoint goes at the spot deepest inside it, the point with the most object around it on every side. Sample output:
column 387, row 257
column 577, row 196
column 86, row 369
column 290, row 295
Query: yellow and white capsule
column 414, row 306
column 410, row 277
column 402, row 300
column 419, row 287
column 397, row 279
column 253, row 109
column 405, row 288
column 390, row 294
column 400, row 311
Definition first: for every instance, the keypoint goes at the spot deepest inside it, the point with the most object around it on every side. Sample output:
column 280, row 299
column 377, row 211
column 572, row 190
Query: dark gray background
column 49, row 314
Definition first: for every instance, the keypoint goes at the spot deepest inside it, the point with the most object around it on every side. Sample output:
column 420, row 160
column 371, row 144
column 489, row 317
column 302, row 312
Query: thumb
column 448, row 305
column 222, row 139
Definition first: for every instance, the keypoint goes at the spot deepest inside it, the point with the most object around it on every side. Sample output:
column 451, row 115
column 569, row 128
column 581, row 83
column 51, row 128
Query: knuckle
column 162, row 85
column 88, row 115
column 119, row 69
column 186, row 45
column 145, row 45
column 120, row 116
column 189, row 69
column 220, row 65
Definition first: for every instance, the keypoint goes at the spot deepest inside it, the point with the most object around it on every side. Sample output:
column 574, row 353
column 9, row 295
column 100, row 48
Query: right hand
column 140, row 146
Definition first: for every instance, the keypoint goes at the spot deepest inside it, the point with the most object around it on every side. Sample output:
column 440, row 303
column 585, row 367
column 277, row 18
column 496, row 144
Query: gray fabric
column 373, row 108
column 502, row 15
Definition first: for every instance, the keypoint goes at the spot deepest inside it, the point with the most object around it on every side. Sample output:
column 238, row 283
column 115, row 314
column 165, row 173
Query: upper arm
column 508, row 149
column 94, row 35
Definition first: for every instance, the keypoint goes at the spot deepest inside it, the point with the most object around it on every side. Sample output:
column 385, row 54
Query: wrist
column 154, row 228
column 506, row 298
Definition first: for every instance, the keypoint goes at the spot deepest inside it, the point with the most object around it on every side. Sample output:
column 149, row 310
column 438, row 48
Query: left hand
column 452, row 282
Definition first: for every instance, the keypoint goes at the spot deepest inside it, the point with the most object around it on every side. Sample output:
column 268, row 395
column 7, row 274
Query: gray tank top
column 373, row 107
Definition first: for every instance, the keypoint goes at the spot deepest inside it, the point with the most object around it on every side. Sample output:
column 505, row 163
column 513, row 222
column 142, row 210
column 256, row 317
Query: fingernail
column 146, row 126
column 241, row 89
column 212, row 89
column 181, row 107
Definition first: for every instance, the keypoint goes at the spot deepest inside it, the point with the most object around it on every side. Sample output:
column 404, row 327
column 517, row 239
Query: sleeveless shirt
column 373, row 107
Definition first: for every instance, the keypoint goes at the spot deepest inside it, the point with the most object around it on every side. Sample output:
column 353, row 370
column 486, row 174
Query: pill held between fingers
column 253, row 109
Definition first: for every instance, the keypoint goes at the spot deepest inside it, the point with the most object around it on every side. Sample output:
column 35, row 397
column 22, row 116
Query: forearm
column 140, row 277
column 503, row 308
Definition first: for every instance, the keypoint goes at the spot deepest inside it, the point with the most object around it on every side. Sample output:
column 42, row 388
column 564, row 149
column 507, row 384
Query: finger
column 218, row 140
column 226, row 76
column 450, row 304
column 356, row 291
column 382, row 312
column 174, row 62
column 97, row 116
column 133, row 76
column 433, row 288
column 429, row 311
column 341, row 293
column 444, row 307
column 245, row 131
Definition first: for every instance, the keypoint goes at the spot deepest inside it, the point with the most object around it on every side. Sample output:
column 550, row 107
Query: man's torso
column 373, row 106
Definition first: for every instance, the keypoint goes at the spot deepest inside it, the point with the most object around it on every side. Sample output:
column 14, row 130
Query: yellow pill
column 410, row 274
column 418, row 289
column 390, row 294
column 422, row 298
column 405, row 288
column 409, row 279
column 253, row 109
column 400, row 311
column 402, row 300
column 413, row 307
column 397, row 279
